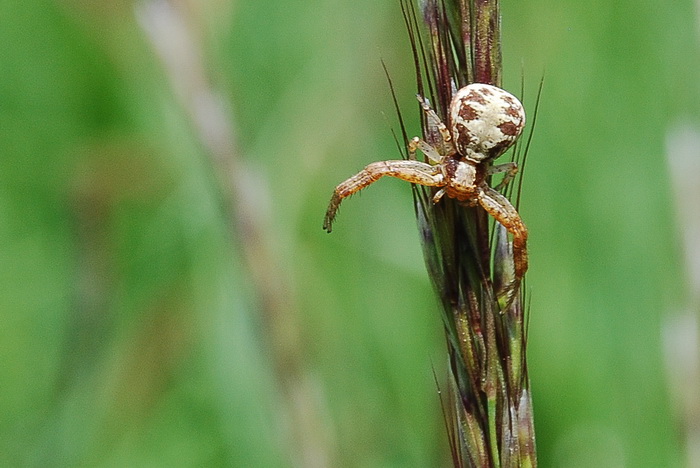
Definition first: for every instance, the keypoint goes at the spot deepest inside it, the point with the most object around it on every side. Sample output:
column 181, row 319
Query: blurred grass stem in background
column 681, row 331
column 243, row 194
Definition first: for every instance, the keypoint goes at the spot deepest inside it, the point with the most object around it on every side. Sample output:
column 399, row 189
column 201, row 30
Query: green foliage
column 132, row 331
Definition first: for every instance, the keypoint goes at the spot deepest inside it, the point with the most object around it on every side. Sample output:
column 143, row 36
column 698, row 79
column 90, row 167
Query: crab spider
column 484, row 121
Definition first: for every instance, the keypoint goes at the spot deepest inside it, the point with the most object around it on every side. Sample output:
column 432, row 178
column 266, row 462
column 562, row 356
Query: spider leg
column 417, row 144
column 439, row 194
column 434, row 121
column 510, row 168
column 416, row 172
column 505, row 213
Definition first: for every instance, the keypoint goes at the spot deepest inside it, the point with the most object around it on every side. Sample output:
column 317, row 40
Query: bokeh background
column 167, row 294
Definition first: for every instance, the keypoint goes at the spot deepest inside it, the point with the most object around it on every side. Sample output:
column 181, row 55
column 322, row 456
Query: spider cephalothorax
column 484, row 121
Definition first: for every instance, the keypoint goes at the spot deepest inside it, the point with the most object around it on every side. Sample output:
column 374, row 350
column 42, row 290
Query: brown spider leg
column 416, row 172
column 432, row 154
column 439, row 194
column 505, row 213
column 510, row 168
column 434, row 121
column 417, row 144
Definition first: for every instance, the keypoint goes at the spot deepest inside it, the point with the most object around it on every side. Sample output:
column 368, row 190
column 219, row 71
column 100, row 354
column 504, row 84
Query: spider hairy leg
column 505, row 213
column 416, row 172
column 510, row 168
column 417, row 144
column 435, row 122
column 439, row 194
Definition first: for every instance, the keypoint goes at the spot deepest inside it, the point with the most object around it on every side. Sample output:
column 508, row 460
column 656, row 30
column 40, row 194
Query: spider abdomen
column 485, row 121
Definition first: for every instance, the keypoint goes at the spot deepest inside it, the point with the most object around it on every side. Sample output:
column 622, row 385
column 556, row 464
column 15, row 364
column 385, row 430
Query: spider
column 484, row 121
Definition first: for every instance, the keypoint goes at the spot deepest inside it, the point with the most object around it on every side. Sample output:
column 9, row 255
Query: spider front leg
column 417, row 144
column 505, row 213
column 416, row 172
column 434, row 122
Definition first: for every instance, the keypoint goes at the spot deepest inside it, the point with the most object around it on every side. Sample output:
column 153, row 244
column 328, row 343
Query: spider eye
column 485, row 121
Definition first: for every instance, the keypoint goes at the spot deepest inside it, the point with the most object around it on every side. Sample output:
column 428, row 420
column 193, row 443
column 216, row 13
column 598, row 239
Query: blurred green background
column 141, row 327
